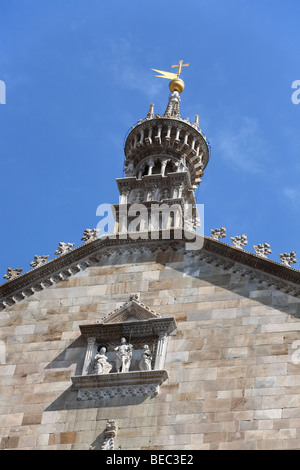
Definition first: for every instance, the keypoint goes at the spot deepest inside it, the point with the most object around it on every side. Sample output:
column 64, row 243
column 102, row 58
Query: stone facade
column 218, row 327
column 233, row 380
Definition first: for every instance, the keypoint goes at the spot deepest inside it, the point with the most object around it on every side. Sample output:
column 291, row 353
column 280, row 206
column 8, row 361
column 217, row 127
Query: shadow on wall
column 73, row 354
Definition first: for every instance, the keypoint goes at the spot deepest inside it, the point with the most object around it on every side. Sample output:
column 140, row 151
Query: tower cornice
column 167, row 135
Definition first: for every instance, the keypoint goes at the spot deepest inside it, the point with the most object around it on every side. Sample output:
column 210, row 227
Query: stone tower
column 165, row 157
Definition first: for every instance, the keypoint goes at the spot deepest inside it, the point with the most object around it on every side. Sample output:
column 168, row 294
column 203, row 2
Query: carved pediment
column 133, row 310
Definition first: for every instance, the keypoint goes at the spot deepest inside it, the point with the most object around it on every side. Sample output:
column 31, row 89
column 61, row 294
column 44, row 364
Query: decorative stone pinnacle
column 288, row 258
column 12, row 273
column 262, row 250
column 196, row 122
column 90, row 234
column 110, row 434
column 39, row 261
column 150, row 114
column 172, row 109
column 240, row 241
column 64, row 248
column 218, row 233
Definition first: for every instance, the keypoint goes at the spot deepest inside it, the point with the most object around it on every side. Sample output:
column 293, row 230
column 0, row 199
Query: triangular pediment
column 133, row 310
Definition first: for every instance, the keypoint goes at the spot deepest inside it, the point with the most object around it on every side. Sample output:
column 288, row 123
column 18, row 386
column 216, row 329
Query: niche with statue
column 125, row 353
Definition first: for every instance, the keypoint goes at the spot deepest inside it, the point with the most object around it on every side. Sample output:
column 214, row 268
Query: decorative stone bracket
column 135, row 383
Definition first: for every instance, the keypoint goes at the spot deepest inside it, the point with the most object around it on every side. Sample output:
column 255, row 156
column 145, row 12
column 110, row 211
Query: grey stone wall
column 233, row 382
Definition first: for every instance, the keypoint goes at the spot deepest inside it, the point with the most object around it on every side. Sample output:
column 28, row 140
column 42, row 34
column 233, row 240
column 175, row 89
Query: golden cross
column 181, row 64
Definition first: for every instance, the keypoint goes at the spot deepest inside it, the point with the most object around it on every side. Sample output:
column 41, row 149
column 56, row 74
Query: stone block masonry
column 232, row 380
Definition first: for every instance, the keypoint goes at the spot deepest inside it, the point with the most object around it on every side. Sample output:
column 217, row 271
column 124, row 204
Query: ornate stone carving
column 39, row 261
column 115, row 385
column 165, row 194
column 12, row 273
column 137, row 195
column 88, row 254
column 64, row 248
column 240, row 241
column 218, row 233
column 139, row 363
column 110, row 433
column 90, row 234
column 172, row 109
column 262, row 250
column 288, row 258
column 129, row 171
column 124, row 196
column 134, row 296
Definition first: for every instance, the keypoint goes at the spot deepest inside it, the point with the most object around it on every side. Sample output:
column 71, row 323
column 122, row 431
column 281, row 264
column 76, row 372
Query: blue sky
column 77, row 76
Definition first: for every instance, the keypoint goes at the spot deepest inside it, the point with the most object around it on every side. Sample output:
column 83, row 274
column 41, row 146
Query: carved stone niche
column 140, row 326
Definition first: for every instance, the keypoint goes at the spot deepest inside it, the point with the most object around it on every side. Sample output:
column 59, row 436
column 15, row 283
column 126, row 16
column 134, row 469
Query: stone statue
column 123, row 356
column 138, row 196
column 146, row 358
column 165, row 194
column 101, row 364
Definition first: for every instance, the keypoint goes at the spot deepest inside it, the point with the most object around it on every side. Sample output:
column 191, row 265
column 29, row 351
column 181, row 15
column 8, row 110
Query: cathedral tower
column 165, row 157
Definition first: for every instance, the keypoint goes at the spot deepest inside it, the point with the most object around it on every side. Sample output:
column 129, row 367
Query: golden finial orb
column 176, row 85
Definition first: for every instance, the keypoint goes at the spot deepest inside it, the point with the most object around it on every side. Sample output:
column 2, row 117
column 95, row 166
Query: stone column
column 90, row 353
column 177, row 135
column 161, row 351
column 140, row 143
column 168, row 136
column 163, row 167
column 123, row 218
column 151, row 165
column 158, row 136
column 148, row 140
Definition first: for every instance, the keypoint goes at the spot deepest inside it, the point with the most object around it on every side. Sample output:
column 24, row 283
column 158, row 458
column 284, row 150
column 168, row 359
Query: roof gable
column 228, row 257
